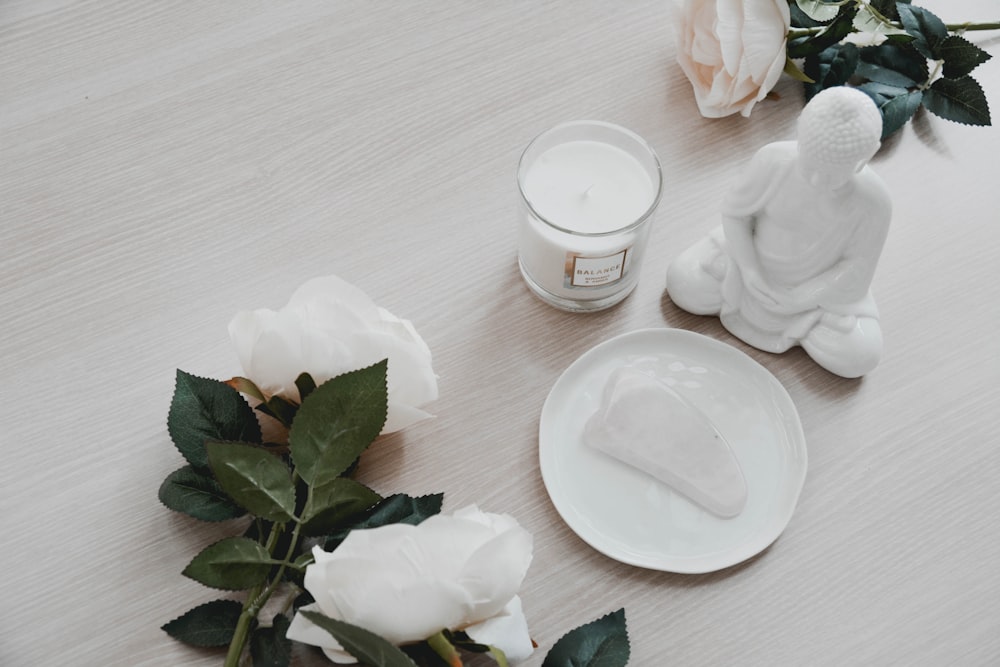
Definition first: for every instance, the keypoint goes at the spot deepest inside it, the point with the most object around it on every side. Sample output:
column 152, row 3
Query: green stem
column 795, row 33
column 933, row 76
column 250, row 609
column 444, row 648
column 264, row 595
column 962, row 27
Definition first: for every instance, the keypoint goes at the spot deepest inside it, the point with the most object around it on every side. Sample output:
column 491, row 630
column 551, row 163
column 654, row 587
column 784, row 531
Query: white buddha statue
column 801, row 234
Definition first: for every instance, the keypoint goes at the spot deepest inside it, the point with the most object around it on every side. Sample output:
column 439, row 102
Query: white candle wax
column 580, row 242
column 588, row 187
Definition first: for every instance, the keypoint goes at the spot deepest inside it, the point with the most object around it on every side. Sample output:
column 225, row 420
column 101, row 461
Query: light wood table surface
column 164, row 165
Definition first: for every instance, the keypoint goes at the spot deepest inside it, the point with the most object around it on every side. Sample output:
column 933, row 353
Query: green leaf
column 366, row 647
column 191, row 491
column 841, row 26
column 245, row 386
column 792, row 70
column 204, row 409
column 897, row 111
column 305, row 384
column 600, row 643
column 799, row 19
column 831, row 67
column 337, row 422
column 818, row 10
column 887, row 8
column 960, row 56
column 207, row 625
column 961, row 100
column 232, row 564
column 893, row 65
column 269, row 647
column 897, row 105
column 397, row 508
column 927, row 29
column 333, row 502
column 280, row 408
column 255, row 478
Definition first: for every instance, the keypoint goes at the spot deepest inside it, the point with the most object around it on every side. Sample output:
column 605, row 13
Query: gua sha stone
column 646, row 424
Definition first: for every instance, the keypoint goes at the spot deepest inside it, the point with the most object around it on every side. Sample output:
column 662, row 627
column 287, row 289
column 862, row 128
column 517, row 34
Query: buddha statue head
column 839, row 131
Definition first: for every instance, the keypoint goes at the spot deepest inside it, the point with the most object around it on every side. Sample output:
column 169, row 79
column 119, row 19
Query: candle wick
column 586, row 193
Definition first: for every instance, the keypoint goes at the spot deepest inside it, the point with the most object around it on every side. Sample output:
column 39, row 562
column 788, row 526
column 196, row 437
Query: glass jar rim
column 618, row 129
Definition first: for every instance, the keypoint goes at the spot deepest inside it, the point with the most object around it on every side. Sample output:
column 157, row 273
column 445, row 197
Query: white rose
column 330, row 327
column 407, row 583
column 732, row 51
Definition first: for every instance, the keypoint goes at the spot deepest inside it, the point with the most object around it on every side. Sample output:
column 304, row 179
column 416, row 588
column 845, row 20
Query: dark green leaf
column 398, row 508
column 337, row 423
column 600, row 643
column 893, row 64
column 927, row 29
column 887, row 8
column 255, row 478
column 818, row 10
column 269, row 647
column 831, row 67
column 899, row 110
column 461, row 640
column 841, row 26
column 210, row 624
column 897, row 105
column 366, row 647
column 204, row 409
column 333, row 502
column 280, row 408
column 799, row 19
column 191, row 491
column 960, row 56
column 961, row 100
column 899, row 38
column 232, row 564
column 305, row 384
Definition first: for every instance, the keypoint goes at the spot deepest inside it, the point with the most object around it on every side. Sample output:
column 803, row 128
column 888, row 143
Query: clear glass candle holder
column 588, row 190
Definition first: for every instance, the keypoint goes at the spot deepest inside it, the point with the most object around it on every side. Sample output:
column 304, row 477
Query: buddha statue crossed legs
column 801, row 234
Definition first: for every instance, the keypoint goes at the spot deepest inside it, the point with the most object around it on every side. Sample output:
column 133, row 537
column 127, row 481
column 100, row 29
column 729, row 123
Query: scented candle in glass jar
column 588, row 191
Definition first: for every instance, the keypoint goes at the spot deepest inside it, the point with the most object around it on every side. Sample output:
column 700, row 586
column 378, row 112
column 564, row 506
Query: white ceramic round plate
column 630, row 516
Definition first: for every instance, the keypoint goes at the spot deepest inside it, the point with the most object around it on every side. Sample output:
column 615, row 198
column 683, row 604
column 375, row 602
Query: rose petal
column 407, row 583
column 732, row 51
column 330, row 327
column 729, row 31
column 495, row 571
column 508, row 631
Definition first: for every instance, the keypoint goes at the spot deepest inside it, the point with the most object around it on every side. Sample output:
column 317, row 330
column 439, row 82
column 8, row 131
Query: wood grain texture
column 166, row 164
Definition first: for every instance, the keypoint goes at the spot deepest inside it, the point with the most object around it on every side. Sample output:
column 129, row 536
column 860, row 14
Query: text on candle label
column 594, row 271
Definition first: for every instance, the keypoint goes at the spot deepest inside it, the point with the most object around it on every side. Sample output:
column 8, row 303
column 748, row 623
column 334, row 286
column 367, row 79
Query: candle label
column 584, row 271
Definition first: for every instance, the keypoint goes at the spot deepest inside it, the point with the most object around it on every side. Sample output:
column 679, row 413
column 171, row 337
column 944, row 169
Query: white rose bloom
column 407, row 583
column 732, row 51
column 330, row 327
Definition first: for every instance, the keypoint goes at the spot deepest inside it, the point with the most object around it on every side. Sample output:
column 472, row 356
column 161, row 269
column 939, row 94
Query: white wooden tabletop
column 164, row 165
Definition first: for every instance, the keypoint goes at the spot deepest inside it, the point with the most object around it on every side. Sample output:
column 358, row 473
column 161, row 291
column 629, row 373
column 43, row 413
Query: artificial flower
column 732, row 51
column 330, row 327
column 458, row 572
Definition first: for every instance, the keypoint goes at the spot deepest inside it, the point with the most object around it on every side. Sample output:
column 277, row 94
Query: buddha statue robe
column 793, row 261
